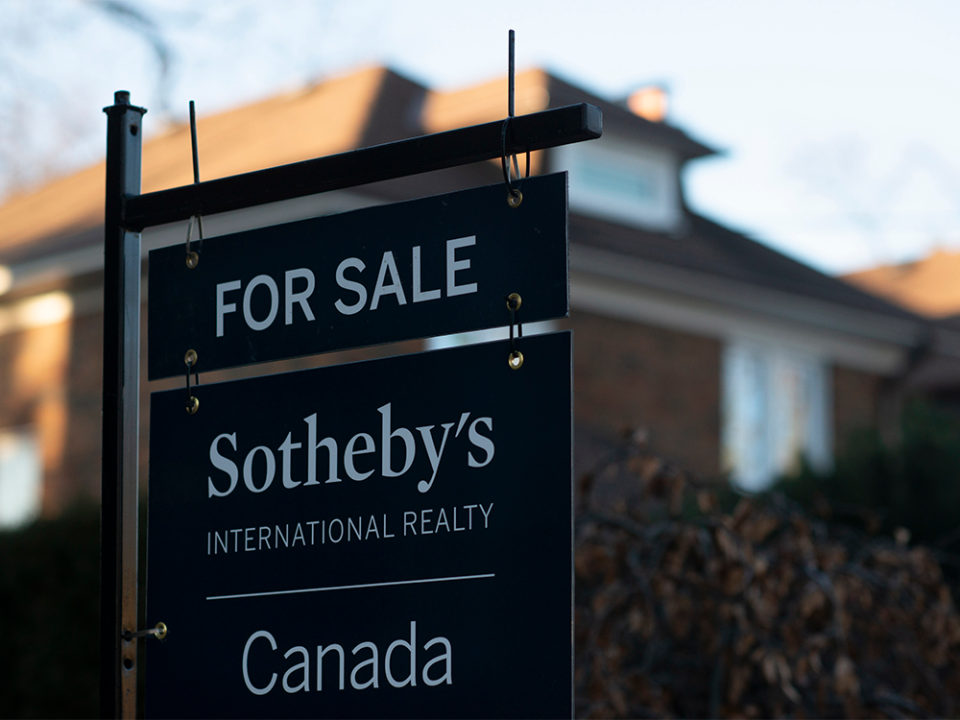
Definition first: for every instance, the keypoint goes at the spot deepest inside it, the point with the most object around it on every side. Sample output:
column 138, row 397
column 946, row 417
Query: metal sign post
column 121, row 396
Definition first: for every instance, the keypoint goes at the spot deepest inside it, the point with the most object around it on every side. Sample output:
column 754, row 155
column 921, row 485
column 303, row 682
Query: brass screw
column 161, row 631
column 193, row 404
column 515, row 360
column 514, row 198
column 190, row 357
column 192, row 260
column 514, row 301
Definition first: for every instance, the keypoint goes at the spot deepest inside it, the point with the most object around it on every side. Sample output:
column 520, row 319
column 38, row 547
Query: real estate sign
column 427, row 267
column 389, row 538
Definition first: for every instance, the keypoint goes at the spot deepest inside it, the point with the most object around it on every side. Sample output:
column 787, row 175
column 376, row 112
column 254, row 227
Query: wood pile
column 683, row 610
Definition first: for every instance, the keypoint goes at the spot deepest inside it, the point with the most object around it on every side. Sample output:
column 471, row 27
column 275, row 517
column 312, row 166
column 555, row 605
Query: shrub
column 49, row 615
column 915, row 485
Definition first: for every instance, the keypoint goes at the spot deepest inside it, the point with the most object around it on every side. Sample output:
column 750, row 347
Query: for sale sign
column 389, row 538
column 422, row 268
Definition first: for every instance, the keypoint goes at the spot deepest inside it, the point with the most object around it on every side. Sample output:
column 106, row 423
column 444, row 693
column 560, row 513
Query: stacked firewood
column 683, row 610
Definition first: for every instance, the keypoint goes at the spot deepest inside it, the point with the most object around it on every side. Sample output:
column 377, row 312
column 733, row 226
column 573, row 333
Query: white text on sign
column 297, row 677
column 299, row 285
column 480, row 454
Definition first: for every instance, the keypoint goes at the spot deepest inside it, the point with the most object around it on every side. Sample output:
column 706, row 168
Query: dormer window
column 629, row 184
column 623, row 181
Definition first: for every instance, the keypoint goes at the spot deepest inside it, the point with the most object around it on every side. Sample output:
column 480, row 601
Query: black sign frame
column 127, row 212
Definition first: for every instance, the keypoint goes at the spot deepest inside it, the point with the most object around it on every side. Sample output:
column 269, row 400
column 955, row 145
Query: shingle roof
column 930, row 286
column 709, row 248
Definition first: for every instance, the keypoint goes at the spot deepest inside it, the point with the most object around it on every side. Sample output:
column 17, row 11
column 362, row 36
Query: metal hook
column 192, row 258
column 190, row 360
column 515, row 359
column 514, row 196
column 159, row 632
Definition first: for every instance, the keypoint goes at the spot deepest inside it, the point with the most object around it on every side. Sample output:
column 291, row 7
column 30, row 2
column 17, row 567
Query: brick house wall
column 631, row 375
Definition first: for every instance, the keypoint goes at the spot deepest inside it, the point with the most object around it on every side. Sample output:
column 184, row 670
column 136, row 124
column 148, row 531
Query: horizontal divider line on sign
column 351, row 587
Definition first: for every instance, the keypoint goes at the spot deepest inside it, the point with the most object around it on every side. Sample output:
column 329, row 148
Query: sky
column 836, row 122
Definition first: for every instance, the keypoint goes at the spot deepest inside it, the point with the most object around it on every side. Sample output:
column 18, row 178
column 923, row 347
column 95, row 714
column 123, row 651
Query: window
column 632, row 186
column 619, row 180
column 20, row 477
column 776, row 408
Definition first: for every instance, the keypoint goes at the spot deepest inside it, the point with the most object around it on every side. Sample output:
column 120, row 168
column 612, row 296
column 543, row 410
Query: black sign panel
column 390, row 538
column 415, row 269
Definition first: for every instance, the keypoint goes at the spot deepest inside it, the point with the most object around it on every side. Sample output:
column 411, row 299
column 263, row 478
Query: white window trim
column 757, row 418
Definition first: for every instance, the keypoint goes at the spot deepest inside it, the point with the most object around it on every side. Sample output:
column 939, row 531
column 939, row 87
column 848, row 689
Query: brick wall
column 632, row 375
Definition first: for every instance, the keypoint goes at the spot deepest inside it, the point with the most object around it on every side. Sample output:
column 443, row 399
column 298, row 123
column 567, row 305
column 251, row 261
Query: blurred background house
column 929, row 287
column 729, row 356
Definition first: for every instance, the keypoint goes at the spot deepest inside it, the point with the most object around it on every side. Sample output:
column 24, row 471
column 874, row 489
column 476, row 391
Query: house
column 730, row 356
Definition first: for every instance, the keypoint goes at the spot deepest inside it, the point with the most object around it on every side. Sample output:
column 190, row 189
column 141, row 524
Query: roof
column 709, row 248
column 929, row 287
